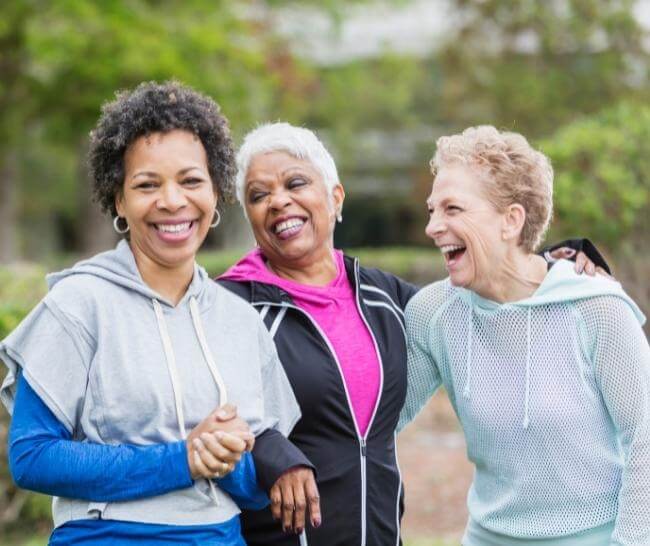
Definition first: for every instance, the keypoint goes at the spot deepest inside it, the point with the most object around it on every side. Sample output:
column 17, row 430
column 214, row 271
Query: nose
column 280, row 199
column 435, row 227
column 172, row 197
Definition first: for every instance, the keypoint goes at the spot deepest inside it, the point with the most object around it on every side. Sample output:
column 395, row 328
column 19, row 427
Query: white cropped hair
column 284, row 137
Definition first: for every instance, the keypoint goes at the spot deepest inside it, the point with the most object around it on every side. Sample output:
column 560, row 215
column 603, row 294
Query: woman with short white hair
column 547, row 371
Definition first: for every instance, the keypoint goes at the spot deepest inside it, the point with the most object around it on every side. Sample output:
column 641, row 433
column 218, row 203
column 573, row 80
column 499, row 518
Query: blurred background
column 379, row 82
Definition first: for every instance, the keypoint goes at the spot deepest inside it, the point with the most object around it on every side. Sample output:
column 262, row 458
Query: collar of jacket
column 274, row 294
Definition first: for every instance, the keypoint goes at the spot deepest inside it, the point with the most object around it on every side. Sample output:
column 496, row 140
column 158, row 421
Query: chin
column 460, row 281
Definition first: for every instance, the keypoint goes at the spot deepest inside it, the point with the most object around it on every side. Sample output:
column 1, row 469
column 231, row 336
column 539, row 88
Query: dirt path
column 436, row 473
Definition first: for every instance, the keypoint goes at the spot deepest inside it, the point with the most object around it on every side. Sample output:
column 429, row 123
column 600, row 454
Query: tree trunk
column 8, row 208
column 95, row 230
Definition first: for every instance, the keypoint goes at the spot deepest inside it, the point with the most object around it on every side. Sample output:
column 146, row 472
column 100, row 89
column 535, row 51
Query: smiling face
column 472, row 234
column 167, row 199
column 290, row 209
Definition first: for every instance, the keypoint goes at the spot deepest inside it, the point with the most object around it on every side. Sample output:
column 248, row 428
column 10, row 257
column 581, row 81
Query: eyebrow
column 145, row 173
column 299, row 169
column 155, row 175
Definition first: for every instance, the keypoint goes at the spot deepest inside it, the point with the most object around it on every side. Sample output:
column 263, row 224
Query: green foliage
column 602, row 177
column 531, row 66
column 20, row 288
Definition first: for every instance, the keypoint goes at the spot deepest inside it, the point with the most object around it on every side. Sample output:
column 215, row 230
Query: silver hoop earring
column 117, row 227
column 218, row 219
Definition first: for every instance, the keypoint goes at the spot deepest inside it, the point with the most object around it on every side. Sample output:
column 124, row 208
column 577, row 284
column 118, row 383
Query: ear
column 513, row 222
column 119, row 203
column 338, row 196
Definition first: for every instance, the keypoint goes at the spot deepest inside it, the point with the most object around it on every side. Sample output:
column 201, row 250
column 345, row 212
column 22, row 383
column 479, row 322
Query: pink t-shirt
column 334, row 309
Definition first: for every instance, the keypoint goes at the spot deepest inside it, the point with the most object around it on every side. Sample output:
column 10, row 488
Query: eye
column 453, row 209
column 256, row 196
column 192, row 181
column 146, row 185
column 296, row 183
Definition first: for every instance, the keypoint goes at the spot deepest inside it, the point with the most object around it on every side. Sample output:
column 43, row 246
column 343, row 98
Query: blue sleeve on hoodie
column 43, row 457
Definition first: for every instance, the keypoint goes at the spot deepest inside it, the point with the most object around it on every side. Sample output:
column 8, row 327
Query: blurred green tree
column 602, row 178
column 61, row 60
column 532, row 66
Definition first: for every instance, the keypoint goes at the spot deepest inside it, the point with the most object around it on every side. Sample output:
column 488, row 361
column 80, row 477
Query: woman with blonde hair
column 548, row 371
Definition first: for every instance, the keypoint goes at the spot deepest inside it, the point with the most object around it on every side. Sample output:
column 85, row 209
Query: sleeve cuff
column 274, row 455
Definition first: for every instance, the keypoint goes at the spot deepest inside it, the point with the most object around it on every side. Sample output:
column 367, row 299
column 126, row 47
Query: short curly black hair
column 151, row 108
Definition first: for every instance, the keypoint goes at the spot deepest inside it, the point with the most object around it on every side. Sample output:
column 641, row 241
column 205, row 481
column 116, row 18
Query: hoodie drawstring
column 468, row 360
column 207, row 354
column 173, row 369
column 527, row 392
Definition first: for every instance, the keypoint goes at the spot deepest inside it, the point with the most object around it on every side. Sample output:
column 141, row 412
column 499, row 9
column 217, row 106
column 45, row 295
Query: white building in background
column 363, row 31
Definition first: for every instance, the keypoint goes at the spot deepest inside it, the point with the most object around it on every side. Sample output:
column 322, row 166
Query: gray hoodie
column 119, row 364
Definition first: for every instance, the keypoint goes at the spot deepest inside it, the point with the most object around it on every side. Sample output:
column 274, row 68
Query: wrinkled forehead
column 459, row 181
column 276, row 167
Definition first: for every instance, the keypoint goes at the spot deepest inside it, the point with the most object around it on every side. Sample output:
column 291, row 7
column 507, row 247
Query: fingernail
column 316, row 522
column 299, row 530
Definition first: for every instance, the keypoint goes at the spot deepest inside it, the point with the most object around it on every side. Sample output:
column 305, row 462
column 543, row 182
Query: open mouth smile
column 173, row 232
column 452, row 253
column 287, row 228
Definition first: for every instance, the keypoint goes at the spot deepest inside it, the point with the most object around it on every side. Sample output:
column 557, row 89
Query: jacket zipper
column 360, row 438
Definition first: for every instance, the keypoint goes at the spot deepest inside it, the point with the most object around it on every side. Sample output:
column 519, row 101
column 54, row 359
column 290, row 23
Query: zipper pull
column 363, row 447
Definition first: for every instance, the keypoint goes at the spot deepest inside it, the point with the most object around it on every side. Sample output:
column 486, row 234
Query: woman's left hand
column 292, row 495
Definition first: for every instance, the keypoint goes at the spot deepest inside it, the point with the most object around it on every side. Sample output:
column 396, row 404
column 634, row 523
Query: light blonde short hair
column 516, row 173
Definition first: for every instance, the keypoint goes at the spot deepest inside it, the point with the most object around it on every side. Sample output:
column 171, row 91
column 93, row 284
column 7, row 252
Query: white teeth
column 445, row 249
column 283, row 226
column 173, row 228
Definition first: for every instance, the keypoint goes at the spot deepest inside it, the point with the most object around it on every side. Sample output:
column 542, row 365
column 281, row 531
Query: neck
column 516, row 278
column 314, row 271
column 170, row 282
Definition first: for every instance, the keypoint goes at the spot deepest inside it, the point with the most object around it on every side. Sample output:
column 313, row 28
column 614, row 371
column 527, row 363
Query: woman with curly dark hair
column 115, row 385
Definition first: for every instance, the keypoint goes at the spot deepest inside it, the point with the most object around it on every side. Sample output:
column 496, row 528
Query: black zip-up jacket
column 358, row 477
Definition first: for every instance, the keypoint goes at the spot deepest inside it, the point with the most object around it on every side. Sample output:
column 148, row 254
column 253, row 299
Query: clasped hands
column 217, row 443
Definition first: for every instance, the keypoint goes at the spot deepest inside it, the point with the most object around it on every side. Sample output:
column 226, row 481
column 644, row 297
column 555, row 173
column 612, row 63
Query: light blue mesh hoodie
column 118, row 364
column 553, row 395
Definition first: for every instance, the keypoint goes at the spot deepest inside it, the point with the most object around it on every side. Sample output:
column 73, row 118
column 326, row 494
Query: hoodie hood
column 118, row 266
column 561, row 285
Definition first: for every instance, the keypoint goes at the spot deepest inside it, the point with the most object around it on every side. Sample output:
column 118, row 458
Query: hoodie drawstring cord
column 468, row 360
column 207, row 354
column 173, row 369
column 527, row 392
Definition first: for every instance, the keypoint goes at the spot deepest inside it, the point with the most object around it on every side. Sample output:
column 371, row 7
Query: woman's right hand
column 216, row 444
